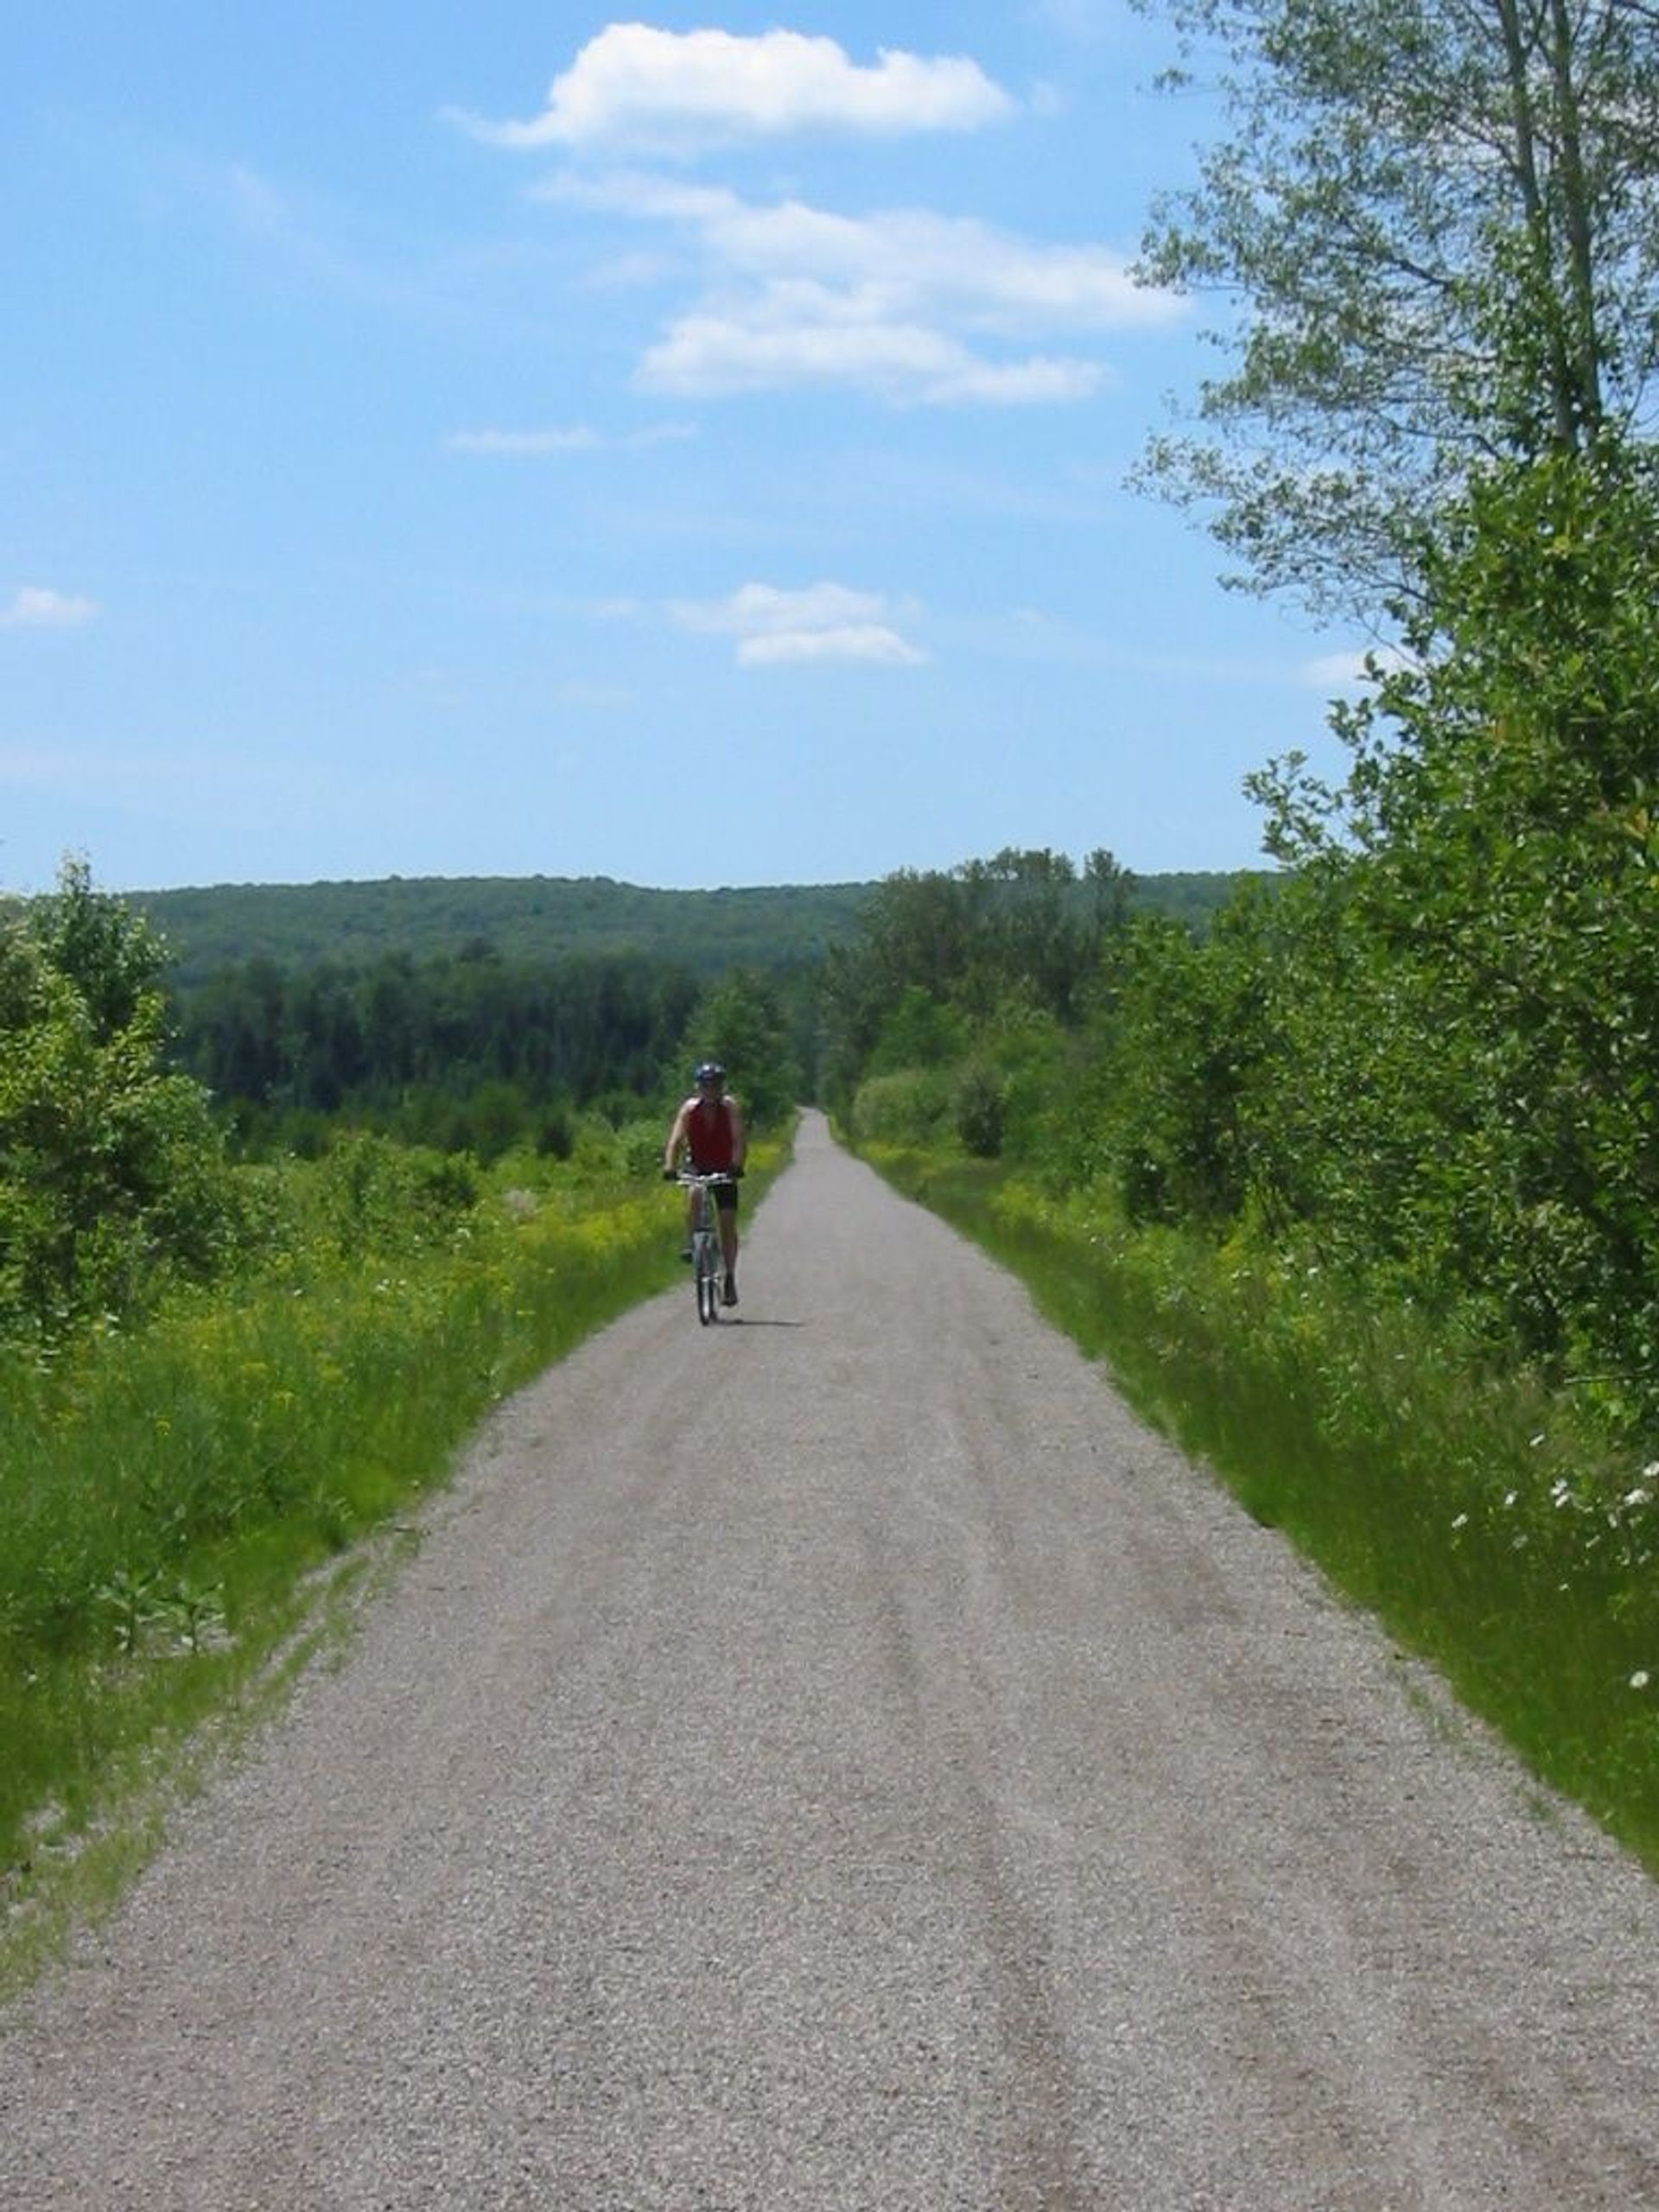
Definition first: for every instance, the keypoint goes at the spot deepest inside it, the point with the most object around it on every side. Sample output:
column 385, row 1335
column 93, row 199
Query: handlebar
column 690, row 1176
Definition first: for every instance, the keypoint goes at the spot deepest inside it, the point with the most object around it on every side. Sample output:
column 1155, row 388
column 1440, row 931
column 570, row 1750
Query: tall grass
column 1489, row 1524
column 176, row 1505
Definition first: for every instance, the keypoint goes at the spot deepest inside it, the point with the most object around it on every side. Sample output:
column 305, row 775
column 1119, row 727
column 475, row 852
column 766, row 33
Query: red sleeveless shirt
column 710, row 1138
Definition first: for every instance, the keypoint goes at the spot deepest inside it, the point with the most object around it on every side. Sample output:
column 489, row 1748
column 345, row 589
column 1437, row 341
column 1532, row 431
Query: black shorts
column 723, row 1194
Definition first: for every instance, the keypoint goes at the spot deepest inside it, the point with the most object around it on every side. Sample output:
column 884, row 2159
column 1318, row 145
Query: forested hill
column 539, row 919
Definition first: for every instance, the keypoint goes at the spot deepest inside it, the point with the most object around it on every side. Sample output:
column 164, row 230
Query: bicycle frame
column 705, row 1241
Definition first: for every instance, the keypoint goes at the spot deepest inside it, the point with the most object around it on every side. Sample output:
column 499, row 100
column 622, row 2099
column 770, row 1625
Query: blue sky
column 505, row 440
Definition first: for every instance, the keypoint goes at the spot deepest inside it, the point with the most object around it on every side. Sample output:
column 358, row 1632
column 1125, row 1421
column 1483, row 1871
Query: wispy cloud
column 991, row 277
column 32, row 608
column 914, row 306
column 1351, row 671
column 578, row 437
column 598, row 697
column 713, row 356
column 636, row 86
column 519, row 445
column 1087, row 21
column 152, row 784
column 220, row 791
column 825, row 622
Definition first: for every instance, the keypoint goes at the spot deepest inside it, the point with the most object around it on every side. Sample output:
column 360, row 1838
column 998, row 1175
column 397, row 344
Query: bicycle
column 705, row 1267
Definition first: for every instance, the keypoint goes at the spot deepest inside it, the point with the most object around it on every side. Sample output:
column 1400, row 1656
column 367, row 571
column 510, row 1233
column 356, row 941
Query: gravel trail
column 843, row 1761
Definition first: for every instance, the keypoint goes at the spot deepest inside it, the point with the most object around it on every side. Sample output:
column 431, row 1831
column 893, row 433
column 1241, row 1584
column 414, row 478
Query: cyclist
column 708, row 1128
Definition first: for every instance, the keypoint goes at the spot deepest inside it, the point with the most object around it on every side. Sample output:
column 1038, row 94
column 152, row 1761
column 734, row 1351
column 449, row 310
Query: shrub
column 113, row 1179
column 980, row 1110
column 909, row 1108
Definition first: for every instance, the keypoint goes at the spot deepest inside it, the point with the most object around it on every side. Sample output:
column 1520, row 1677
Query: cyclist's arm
column 739, row 1134
column 675, row 1141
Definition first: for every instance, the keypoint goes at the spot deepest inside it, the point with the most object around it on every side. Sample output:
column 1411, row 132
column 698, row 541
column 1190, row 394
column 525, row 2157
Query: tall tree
column 742, row 1023
column 1436, row 225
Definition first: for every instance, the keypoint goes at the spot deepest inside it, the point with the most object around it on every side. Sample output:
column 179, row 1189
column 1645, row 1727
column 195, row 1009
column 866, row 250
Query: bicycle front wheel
column 708, row 1275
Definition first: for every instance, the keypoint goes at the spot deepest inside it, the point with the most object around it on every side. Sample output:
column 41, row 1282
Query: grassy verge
column 1486, row 1524
column 188, row 1513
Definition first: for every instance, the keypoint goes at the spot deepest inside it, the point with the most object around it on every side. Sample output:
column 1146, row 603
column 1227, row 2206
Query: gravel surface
column 840, row 1759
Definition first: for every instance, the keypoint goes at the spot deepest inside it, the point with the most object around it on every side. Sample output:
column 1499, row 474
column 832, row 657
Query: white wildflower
column 1640, row 1679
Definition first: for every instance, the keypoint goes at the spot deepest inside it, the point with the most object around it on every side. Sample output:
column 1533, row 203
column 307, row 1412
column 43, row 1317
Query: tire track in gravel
column 844, row 1760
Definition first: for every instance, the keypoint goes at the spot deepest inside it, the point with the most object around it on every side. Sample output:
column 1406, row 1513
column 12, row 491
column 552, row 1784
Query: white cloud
column 517, row 445
column 991, row 279
column 825, row 622
column 33, row 609
column 904, row 303
column 757, row 608
column 865, row 641
column 640, row 85
column 578, row 437
column 706, row 356
column 910, row 306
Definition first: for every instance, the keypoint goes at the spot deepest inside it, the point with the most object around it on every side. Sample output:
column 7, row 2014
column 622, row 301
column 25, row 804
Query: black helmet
column 710, row 1071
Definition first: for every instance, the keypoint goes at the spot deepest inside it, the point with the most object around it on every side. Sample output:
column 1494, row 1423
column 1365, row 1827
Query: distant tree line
column 472, row 1051
column 475, row 1053
column 531, row 920
column 539, row 921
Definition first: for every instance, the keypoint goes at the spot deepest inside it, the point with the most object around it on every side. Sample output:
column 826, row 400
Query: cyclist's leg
column 693, row 1197
column 728, row 1209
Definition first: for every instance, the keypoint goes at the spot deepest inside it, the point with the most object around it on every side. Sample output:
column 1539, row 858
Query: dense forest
column 477, row 1014
column 469, row 1052
column 523, row 920
column 529, row 920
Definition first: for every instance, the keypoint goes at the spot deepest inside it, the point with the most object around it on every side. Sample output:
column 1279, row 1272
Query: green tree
column 1161, row 1105
column 1438, row 223
column 1040, row 928
column 1471, row 1013
column 113, row 1174
column 109, row 952
column 743, row 1023
column 915, row 935
column 920, row 1031
column 990, row 962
